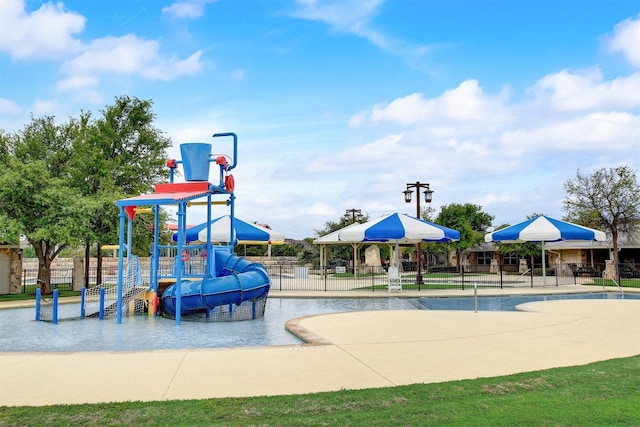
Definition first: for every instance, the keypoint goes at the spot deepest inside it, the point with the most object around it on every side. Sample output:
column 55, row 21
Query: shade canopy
column 246, row 233
column 544, row 229
column 397, row 227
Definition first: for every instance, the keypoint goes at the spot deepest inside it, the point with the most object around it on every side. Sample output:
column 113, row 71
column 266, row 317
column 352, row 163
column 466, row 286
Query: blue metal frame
column 167, row 199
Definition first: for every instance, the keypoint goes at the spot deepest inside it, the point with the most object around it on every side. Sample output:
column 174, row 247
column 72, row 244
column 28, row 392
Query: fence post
column 324, row 275
column 83, row 293
column 280, row 276
column 475, row 297
column 38, row 297
column 54, row 316
column 101, row 315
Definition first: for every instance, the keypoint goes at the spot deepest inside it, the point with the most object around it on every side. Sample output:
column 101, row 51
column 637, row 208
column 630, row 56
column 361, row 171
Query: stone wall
column 13, row 257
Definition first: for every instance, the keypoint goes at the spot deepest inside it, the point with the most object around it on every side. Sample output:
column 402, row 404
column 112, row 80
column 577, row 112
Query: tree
column 48, row 212
column 121, row 155
column 60, row 181
column 35, row 192
column 10, row 229
column 469, row 220
column 607, row 199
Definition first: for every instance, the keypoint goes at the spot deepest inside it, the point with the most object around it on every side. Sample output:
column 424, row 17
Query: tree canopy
column 61, row 179
column 607, row 199
column 469, row 220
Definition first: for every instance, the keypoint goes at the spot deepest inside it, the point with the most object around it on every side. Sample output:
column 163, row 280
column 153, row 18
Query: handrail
column 619, row 287
column 614, row 281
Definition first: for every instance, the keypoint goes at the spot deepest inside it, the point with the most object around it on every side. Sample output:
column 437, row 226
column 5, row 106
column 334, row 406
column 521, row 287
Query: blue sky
column 339, row 104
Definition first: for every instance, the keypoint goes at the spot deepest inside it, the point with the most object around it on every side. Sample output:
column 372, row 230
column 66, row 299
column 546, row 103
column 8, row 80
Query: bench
column 627, row 272
column 586, row 271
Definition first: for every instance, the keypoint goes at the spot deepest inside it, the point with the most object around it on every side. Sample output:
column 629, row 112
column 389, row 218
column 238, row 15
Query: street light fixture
column 356, row 214
column 428, row 193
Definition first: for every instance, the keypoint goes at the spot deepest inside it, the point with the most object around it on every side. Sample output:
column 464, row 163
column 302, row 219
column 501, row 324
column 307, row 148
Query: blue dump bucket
column 195, row 159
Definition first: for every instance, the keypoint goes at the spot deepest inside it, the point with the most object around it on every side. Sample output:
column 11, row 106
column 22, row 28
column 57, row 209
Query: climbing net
column 246, row 310
column 133, row 294
column 46, row 309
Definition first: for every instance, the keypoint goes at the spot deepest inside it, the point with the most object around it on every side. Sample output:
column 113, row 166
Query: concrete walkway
column 350, row 351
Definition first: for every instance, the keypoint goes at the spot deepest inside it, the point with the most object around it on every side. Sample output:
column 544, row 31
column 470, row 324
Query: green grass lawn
column 599, row 394
column 625, row 283
column 21, row 297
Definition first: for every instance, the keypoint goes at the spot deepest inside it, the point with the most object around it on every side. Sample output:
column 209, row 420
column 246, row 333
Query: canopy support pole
column 544, row 267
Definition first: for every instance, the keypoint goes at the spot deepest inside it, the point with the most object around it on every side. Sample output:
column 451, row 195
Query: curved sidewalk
column 352, row 351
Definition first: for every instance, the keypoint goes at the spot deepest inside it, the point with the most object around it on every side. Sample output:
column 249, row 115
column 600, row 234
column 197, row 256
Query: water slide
column 236, row 280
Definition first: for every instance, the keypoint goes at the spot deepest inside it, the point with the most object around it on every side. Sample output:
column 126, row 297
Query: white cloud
column 9, row 107
column 586, row 90
column 127, row 55
column 466, row 103
column 354, row 17
column 47, row 32
column 491, row 198
column 592, row 132
column 368, row 156
column 186, row 9
column 321, row 210
column 76, row 82
column 626, row 39
column 238, row 75
column 348, row 16
column 44, row 107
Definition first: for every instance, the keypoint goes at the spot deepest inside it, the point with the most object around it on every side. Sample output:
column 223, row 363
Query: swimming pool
column 506, row 303
column 19, row 332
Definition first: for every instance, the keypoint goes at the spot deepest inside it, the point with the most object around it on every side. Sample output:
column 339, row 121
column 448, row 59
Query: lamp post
column 355, row 214
column 427, row 198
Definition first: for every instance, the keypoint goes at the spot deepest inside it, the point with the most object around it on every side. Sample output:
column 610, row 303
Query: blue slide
column 236, row 280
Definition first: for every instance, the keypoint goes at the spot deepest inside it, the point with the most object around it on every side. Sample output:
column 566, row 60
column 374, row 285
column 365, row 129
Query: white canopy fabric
column 544, row 229
column 395, row 228
column 246, row 233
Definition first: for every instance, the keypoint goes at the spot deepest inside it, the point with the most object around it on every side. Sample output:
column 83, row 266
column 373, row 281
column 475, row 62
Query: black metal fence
column 293, row 277
column 303, row 278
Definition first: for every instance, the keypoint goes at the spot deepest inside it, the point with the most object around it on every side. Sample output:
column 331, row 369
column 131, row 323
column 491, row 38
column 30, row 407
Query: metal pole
column 122, row 245
column 82, row 302
column 39, row 298
column 418, row 186
column 419, row 244
column 475, row 296
column 101, row 311
column 54, row 315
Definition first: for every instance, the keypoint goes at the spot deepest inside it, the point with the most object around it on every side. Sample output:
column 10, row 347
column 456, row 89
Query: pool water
column 19, row 332
column 507, row 303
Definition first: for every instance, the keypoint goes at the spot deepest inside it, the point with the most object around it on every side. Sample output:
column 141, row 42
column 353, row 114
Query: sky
column 338, row 105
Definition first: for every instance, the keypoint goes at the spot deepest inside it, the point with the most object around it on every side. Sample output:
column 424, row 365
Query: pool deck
column 348, row 351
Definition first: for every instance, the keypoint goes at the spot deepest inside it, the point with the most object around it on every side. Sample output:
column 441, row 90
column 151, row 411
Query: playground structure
column 199, row 279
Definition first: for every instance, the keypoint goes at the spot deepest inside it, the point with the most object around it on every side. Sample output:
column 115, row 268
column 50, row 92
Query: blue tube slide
column 236, row 280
